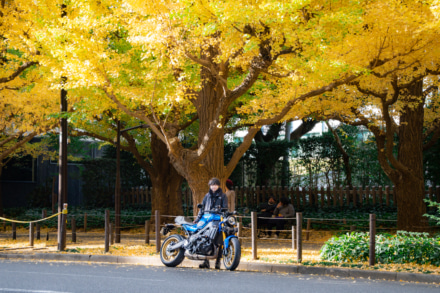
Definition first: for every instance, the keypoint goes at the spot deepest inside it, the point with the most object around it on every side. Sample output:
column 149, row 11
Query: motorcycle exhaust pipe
column 199, row 256
column 176, row 246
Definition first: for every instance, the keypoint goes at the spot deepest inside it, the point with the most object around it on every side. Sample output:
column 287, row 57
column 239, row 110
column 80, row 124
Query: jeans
column 279, row 224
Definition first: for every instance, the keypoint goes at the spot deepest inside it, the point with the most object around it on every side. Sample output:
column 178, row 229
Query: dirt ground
column 133, row 244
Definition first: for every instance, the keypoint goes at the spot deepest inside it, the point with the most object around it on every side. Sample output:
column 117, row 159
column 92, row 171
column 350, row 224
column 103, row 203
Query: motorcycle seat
column 181, row 220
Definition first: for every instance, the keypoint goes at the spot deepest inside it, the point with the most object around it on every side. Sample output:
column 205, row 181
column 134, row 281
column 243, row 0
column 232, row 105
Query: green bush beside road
column 404, row 247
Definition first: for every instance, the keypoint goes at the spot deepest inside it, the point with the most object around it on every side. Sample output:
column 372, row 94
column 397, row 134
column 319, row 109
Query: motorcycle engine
column 202, row 242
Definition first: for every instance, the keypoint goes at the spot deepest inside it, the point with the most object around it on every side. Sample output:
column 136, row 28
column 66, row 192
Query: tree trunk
column 409, row 186
column 345, row 156
column 1, row 194
column 167, row 196
column 266, row 159
column 198, row 173
column 167, row 183
column 410, row 205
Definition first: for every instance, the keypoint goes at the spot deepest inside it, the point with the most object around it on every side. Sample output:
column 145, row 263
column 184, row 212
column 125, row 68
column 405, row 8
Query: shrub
column 350, row 247
column 130, row 218
column 436, row 205
column 404, row 247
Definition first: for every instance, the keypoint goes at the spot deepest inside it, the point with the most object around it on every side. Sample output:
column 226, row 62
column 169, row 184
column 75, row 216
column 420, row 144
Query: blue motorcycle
column 215, row 233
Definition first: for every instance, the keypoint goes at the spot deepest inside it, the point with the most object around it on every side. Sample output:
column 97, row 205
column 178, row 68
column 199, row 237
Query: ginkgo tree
column 398, row 100
column 219, row 62
column 213, row 64
column 27, row 102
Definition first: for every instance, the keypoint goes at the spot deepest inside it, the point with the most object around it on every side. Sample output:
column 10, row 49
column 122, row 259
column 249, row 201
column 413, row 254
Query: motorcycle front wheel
column 171, row 258
column 233, row 254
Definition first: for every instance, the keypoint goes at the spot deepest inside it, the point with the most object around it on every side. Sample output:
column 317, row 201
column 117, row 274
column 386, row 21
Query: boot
column 205, row 264
column 217, row 264
column 219, row 257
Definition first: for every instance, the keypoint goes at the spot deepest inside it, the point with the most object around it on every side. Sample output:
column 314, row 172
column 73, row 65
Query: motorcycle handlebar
column 213, row 211
column 218, row 210
column 223, row 210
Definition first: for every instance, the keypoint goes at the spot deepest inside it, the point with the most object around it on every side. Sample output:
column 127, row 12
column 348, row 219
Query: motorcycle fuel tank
column 206, row 218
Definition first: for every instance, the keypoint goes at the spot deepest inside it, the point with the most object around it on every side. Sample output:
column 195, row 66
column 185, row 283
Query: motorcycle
column 214, row 233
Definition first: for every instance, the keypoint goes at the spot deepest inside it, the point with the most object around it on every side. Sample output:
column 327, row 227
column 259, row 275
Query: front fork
column 226, row 239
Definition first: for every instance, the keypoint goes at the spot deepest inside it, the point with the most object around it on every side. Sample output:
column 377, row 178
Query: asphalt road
column 57, row 277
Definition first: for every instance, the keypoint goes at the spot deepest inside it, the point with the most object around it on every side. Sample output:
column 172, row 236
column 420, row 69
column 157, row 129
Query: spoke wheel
column 171, row 258
column 233, row 254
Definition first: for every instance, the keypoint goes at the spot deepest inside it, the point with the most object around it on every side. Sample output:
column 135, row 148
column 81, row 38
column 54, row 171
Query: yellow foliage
column 169, row 60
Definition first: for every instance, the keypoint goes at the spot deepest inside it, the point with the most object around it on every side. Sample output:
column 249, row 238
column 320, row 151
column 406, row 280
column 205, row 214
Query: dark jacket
column 269, row 209
column 213, row 200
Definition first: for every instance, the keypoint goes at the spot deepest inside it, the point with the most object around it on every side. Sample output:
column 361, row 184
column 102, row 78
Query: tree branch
column 152, row 126
column 17, row 146
column 17, row 72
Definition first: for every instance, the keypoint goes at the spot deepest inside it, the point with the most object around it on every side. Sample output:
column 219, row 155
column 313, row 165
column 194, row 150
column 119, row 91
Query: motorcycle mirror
column 199, row 206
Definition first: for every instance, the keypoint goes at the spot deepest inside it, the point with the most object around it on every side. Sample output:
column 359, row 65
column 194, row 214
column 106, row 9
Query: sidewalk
column 51, row 254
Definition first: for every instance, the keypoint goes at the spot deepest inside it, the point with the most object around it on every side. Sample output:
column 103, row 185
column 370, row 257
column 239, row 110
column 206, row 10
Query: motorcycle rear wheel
column 171, row 258
column 233, row 254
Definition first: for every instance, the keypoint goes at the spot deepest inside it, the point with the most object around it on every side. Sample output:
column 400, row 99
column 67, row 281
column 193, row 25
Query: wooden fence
column 300, row 197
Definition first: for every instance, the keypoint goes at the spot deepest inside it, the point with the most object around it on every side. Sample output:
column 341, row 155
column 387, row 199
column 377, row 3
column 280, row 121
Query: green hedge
column 404, row 247
column 130, row 218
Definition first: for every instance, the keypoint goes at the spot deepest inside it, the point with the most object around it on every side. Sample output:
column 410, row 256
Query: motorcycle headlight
column 231, row 221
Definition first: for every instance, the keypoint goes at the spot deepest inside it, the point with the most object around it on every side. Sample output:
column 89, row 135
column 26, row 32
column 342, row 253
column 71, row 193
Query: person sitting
column 266, row 211
column 282, row 211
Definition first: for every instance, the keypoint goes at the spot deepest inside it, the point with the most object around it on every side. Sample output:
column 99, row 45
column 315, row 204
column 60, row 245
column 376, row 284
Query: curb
column 244, row 266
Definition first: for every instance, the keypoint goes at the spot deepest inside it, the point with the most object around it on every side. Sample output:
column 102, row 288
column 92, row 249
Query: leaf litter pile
column 277, row 251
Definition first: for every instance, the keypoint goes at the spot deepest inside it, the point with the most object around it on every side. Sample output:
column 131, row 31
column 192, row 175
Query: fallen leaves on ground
column 269, row 250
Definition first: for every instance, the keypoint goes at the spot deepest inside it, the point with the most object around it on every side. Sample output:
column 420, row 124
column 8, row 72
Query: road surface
column 62, row 277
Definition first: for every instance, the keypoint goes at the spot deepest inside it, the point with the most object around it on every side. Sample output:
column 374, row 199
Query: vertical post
column 62, row 245
column 73, row 224
column 299, row 237
column 106, row 228
column 64, row 224
column 85, row 222
column 14, row 231
column 254, row 234
column 293, row 238
column 372, row 260
column 118, row 185
column 147, row 232
column 31, row 234
column 62, row 163
column 157, row 230
column 352, row 228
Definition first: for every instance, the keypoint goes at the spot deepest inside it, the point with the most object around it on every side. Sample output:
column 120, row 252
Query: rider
column 213, row 199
